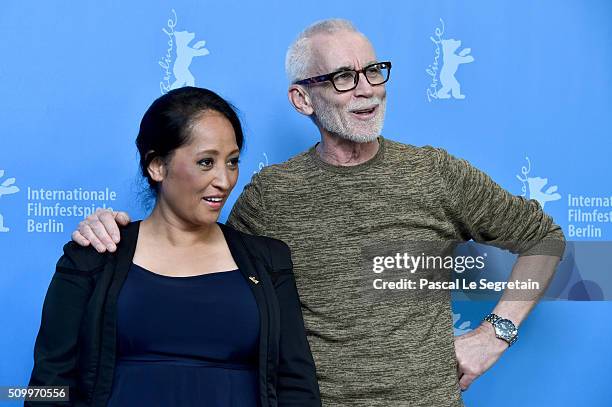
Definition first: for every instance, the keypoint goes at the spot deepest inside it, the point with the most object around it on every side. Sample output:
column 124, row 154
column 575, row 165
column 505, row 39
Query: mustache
column 362, row 104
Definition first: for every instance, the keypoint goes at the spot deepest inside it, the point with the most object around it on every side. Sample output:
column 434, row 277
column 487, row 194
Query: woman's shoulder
column 273, row 251
column 86, row 258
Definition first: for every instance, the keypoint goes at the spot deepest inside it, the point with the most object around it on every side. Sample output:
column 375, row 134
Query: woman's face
column 201, row 174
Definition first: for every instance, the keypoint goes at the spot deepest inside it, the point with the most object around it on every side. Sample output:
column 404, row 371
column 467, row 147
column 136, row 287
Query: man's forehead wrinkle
column 344, row 67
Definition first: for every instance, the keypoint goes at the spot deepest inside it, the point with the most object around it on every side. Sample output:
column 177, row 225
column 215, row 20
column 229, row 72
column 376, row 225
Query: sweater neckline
column 348, row 169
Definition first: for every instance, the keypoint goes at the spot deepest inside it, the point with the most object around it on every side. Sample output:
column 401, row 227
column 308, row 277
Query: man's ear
column 300, row 99
column 157, row 169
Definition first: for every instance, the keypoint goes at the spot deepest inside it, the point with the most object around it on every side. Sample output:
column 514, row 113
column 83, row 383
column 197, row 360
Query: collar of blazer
column 248, row 264
column 247, row 261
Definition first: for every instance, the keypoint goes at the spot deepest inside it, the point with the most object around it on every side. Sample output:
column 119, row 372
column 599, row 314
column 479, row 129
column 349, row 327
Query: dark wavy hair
column 168, row 122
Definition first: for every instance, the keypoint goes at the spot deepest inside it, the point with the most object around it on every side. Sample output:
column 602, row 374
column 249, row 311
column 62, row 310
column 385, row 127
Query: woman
column 187, row 312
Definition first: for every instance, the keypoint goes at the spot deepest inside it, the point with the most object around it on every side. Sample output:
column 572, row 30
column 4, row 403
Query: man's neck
column 342, row 152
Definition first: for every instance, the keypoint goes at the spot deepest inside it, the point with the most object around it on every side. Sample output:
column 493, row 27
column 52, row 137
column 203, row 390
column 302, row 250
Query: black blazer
column 76, row 344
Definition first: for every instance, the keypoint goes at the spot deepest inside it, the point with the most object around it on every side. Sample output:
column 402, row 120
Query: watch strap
column 493, row 318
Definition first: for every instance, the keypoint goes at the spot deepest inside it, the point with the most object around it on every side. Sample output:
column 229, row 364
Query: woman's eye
column 234, row 162
column 206, row 162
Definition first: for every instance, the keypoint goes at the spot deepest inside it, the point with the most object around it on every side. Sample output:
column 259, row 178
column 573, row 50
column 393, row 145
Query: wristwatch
column 504, row 328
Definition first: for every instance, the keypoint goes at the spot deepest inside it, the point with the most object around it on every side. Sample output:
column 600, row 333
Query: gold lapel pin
column 254, row 280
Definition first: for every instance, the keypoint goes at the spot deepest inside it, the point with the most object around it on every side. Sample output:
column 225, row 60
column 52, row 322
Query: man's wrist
column 489, row 330
column 503, row 329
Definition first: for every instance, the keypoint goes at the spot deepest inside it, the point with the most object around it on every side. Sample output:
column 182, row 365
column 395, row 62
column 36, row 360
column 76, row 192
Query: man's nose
column 363, row 87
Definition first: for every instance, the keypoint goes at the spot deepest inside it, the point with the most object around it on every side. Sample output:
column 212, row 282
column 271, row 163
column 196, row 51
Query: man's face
column 358, row 114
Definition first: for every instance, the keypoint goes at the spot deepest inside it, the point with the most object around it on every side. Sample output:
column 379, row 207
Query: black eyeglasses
column 347, row 79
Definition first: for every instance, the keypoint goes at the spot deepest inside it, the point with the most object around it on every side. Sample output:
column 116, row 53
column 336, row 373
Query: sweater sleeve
column 249, row 213
column 485, row 212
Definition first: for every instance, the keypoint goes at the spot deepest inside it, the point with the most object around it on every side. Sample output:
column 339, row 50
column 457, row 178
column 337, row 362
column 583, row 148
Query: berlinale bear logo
column 184, row 56
column 6, row 188
column 535, row 186
column 451, row 61
column 179, row 41
column 444, row 84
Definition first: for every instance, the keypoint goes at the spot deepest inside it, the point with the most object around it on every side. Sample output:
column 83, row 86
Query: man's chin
column 359, row 137
column 365, row 138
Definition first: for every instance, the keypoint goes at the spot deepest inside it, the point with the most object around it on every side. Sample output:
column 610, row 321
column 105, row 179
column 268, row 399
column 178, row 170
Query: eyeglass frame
column 330, row 76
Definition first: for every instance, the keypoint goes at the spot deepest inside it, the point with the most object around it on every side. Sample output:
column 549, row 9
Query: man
column 355, row 188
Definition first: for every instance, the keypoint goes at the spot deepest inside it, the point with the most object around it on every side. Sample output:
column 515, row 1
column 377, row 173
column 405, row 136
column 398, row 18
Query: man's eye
column 374, row 70
column 345, row 76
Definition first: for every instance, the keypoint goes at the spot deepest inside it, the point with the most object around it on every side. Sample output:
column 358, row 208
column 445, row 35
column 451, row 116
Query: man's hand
column 101, row 230
column 476, row 352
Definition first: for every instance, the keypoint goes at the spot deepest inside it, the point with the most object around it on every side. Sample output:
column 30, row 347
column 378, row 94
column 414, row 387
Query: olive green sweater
column 394, row 350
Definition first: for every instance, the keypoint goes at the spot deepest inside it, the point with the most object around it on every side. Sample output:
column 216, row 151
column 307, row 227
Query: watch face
column 505, row 328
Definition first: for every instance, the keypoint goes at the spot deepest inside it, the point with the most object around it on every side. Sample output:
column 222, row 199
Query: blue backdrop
column 535, row 77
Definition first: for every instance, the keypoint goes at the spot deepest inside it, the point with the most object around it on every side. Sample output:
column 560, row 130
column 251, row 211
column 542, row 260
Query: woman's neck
column 168, row 228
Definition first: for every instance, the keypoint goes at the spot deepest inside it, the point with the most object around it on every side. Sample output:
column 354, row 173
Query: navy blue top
column 186, row 341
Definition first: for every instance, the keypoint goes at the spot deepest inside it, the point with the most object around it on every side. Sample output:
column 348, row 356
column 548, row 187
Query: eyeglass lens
column 375, row 74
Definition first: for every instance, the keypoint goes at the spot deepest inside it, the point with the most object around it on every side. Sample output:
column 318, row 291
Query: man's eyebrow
column 350, row 67
column 344, row 68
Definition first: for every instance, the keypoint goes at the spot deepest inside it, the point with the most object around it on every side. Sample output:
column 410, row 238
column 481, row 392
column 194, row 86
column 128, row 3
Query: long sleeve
column 56, row 347
column 297, row 382
column 487, row 213
column 249, row 213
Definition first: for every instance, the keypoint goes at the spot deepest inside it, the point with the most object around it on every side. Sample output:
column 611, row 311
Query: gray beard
column 329, row 119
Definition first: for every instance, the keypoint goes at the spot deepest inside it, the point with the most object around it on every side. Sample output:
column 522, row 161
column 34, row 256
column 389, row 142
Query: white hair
column 299, row 54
